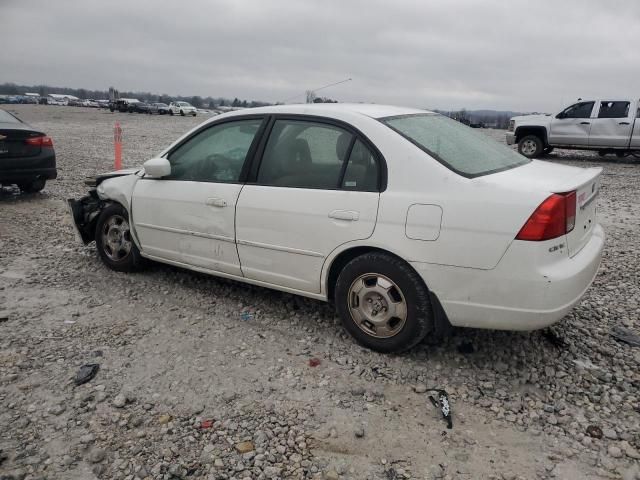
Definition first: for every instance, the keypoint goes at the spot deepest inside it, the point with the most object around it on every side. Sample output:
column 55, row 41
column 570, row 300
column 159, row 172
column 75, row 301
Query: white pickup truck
column 608, row 126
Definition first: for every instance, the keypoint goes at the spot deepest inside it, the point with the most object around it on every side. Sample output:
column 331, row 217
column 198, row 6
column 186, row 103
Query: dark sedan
column 143, row 107
column 27, row 158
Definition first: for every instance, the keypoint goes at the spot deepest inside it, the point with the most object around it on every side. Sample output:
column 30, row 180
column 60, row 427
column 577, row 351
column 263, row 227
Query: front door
column 613, row 126
column 572, row 125
column 189, row 217
column 317, row 187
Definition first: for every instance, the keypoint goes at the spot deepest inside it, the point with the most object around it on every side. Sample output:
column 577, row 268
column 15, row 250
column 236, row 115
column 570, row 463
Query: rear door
column 613, row 124
column 316, row 187
column 573, row 125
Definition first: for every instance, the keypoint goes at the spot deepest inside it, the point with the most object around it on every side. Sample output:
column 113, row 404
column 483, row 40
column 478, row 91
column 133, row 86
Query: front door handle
column 584, row 123
column 624, row 123
column 348, row 215
column 216, row 202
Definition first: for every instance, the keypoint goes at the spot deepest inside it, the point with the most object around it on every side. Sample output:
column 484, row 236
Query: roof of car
column 368, row 109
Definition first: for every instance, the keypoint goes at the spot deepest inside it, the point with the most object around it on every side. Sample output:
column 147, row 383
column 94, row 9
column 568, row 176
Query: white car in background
column 403, row 218
column 182, row 108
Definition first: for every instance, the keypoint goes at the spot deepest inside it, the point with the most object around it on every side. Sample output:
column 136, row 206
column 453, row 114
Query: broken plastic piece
column 206, row 424
column 442, row 402
column 625, row 335
column 314, row 362
column 87, row 373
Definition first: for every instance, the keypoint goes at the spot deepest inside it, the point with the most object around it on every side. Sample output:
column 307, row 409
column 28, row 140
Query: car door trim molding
column 222, row 238
column 268, row 246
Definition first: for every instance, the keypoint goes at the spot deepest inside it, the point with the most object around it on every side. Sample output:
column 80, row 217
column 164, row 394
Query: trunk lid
column 547, row 178
column 12, row 143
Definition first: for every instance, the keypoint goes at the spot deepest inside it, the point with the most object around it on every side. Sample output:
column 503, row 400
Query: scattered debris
column 164, row 419
column 553, row 338
column 4, row 317
column 246, row 316
column 245, row 447
column 359, row 432
column 443, row 404
column 206, row 424
column 466, row 348
column 69, row 322
column 87, row 373
column 625, row 335
column 314, row 362
column 594, row 431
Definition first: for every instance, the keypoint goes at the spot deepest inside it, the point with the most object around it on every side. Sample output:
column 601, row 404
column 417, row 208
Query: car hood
column 98, row 179
column 532, row 119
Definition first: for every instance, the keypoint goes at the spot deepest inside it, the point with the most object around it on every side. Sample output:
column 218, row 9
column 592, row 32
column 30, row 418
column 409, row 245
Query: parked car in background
column 122, row 104
column 182, row 108
column 404, row 219
column 162, row 108
column 103, row 103
column 139, row 107
column 605, row 125
column 27, row 157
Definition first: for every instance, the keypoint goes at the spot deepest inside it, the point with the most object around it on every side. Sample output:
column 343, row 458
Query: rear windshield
column 6, row 117
column 458, row 147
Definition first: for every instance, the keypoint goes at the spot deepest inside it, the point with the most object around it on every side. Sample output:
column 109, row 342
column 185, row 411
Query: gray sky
column 498, row 54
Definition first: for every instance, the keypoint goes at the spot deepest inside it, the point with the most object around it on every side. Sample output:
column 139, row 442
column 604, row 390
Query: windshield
column 458, row 147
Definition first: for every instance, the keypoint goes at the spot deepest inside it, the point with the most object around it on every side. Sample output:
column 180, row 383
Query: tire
column 33, row 186
column 121, row 253
column 530, row 146
column 194, row 114
column 377, row 270
column 171, row 112
column 182, row 113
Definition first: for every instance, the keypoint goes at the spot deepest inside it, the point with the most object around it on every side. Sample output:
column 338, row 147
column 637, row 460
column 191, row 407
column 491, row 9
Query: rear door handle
column 216, row 202
column 584, row 123
column 624, row 123
column 348, row 215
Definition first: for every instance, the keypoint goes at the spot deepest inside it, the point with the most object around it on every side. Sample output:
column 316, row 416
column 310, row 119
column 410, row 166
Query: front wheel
column 171, row 112
column 530, row 146
column 383, row 302
column 114, row 242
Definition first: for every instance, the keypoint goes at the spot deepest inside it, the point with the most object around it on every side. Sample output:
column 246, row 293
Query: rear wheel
column 530, row 146
column 33, row 186
column 383, row 302
column 171, row 112
column 114, row 242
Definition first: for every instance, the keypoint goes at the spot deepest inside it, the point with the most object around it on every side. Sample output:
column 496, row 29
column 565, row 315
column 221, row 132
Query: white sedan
column 182, row 108
column 405, row 219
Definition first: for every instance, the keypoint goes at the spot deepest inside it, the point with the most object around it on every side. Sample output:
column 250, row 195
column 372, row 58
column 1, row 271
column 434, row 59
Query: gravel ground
column 210, row 379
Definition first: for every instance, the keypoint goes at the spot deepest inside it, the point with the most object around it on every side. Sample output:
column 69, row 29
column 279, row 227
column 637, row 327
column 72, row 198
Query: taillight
column 556, row 216
column 41, row 141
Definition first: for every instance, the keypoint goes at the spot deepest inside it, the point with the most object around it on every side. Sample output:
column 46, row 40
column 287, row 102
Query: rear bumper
column 522, row 292
column 13, row 170
column 511, row 138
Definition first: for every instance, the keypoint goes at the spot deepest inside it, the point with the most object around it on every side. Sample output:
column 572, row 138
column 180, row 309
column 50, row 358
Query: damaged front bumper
column 84, row 214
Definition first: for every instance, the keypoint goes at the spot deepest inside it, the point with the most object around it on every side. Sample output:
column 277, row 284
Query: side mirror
column 157, row 167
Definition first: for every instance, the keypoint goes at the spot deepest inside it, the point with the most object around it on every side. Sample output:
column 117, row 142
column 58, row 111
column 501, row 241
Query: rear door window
column 304, row 154
column 614, row 109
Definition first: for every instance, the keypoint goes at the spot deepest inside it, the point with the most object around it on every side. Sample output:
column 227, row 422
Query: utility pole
column 311, row 94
